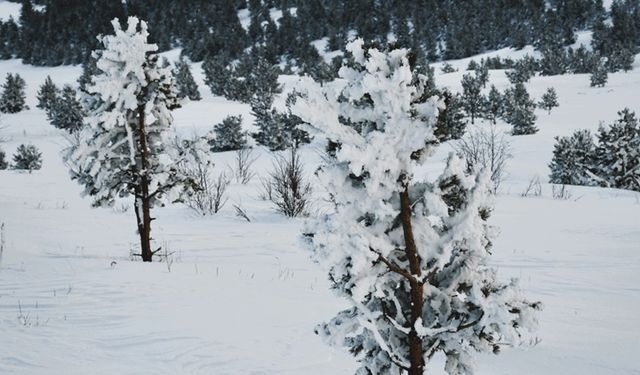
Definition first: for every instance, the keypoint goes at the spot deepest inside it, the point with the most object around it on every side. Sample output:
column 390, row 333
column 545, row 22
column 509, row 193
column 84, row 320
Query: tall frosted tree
column 125, row 148
column 409, row 255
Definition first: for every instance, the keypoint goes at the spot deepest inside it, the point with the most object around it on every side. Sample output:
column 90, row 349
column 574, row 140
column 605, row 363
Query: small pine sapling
column 27, row 158
column 549, row 100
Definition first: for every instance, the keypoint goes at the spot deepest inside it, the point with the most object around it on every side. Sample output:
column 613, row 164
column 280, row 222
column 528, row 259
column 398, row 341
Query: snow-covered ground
column 243, row 297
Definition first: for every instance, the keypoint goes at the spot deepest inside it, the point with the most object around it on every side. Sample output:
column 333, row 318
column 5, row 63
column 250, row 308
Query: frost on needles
column 409, row 255
column 125, row 148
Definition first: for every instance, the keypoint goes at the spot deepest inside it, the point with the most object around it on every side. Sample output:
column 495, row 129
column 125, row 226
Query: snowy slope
column 243, row 298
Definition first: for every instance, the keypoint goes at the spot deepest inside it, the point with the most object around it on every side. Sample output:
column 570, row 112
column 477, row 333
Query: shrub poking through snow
column 66, row 112
column 125, row 148
column 286, row 186
column 519, row 110
column 410, row 256
column 27, row 158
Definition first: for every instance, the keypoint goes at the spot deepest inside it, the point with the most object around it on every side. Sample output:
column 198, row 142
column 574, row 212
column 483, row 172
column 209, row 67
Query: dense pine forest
column 54, row 32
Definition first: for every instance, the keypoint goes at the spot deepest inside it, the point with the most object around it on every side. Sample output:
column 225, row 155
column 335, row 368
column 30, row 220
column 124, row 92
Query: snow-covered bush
column 573, row 160
column 27, row 158
column 410, row 256
column 124, row 150
column 618, row 153
column 599, row 73
column 228, row 135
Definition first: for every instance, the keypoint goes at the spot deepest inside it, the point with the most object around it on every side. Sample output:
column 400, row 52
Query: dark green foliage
column 13, row 96
column 451, row 123
column 618, row 152
column 28, row 158
column 187, row 86
column 472, row 99
column 47, row 94
column 89, row 69
column 519, row 110
column 229, row 135
column 523, row 70
column 493, row 105
column 599, row 74
column 67, row 112
column 573, row 160
column 549, row 100
column 3, row 160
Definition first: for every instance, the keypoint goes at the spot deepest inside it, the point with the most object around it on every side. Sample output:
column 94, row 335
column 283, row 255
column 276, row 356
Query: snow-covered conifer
column 493, row 105
column 573, row 160
column 451, row 122
column 618, row 152
column 13, row 96
column 599, row 73
column 67, row 112
column 519, row 110
column 549, row 100
column 472, row 96
column 410, row 256
column 47, row 94
column 124, row 150
column 187, row 86
column 228, row 135
column 28, row 158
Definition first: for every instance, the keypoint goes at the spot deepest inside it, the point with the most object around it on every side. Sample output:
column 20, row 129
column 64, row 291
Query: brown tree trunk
column 417, row 288
column 143, row 204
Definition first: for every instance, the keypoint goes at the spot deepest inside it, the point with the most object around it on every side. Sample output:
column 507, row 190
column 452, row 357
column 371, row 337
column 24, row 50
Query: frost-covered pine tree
column 13, row 96
column 573, row 160
column 519, row 110
column 549, row 100
column 27, row 158
column 47, row 94
column 410, row 256
column 228, row 135
column 67, row 112
column 599, row 73
column 187, row 86
column 125, row 148
column 618, row 152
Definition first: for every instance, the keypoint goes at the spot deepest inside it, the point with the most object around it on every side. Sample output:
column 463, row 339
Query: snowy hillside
column 243, row 297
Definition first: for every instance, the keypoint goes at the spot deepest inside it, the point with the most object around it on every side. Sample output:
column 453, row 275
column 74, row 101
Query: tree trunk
column 417, row 288
column 143, row 204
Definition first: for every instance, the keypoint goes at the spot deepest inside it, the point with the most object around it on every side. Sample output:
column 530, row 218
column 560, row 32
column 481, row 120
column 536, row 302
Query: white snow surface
column 243, row 298
column 9, row 9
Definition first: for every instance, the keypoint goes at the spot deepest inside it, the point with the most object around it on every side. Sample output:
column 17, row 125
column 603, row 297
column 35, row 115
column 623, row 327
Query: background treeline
column 54, row 32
